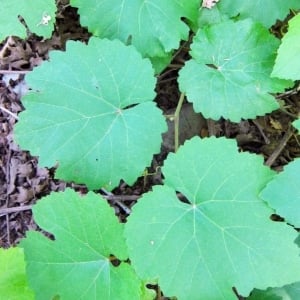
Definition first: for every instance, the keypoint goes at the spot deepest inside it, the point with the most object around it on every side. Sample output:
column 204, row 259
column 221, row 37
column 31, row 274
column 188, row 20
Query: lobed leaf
column 220, row 236
column 13, row 280
column 283, row 193
column 267, row 12
column 76, row 265
column 91, row 110
column 287, row 64
column 154, row 27
column 38, row 15
column 229, row 73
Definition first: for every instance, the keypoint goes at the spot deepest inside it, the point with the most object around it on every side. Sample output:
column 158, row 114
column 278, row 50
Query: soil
column 23, row 182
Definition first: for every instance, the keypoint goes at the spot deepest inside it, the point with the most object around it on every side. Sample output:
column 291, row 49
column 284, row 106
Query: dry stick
column 9, row 112
column 10, row 210
column 8, row 178
column 176, row 121
column 13, row 72
column 118, row 199
column 267, row 141
column 211, row 124
column 282, row 144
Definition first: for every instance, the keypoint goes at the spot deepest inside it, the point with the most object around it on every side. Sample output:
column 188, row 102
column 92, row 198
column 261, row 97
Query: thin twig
column 267, row 141
column 13, row 72
column 176, row 121
column 9, row 112
column 289, row 133
column 211, row 126
column 10, row 210
column 118, row 199
column 111, row 197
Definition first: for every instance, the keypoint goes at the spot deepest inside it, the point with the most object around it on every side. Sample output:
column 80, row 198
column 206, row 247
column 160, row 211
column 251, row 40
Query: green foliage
column 77, row 264
column 289, row 292
column 91, row 112
column 287, row 64
column 223, row 236
column 229, row 73
column 283, row 193
column 38, row 15
column 267, row 12
column 154, row 27
column 92, row 130
column 13, row 280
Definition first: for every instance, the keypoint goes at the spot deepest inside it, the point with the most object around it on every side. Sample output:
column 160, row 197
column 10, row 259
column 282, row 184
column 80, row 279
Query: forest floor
column 23, row 182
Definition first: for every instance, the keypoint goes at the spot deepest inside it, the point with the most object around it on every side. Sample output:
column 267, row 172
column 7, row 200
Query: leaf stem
column 176, row 121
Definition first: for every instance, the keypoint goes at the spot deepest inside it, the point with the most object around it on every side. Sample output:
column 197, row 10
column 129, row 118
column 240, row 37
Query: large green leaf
column 287, row 64
column 38, row 15
column 283, row 193
column 229, row 73
column 76, row 265
column 221, row 236
column 266, row 12
column 13, row 280
column 91, row 110
column 154, row 27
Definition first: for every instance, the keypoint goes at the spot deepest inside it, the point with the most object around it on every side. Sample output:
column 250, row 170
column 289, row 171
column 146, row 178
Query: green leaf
column 266, row 12
column 211, row 16
column 221, row 236
column 269, row 294
column 296, row 124
column 76, row 265
column 91, row 110
column 38, row 15
column 229, row 73
column 283, row 193
column 154, row 27
column 13, row 280
column 288, row 292
column 287, row 64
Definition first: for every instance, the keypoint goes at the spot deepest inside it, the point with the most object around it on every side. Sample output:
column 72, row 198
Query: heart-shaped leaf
column 78, row 263
column 91, row 110
column 229, row 73
column 219, row 235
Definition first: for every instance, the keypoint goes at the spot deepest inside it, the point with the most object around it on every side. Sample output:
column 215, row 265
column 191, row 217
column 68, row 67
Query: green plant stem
column 176, row 121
